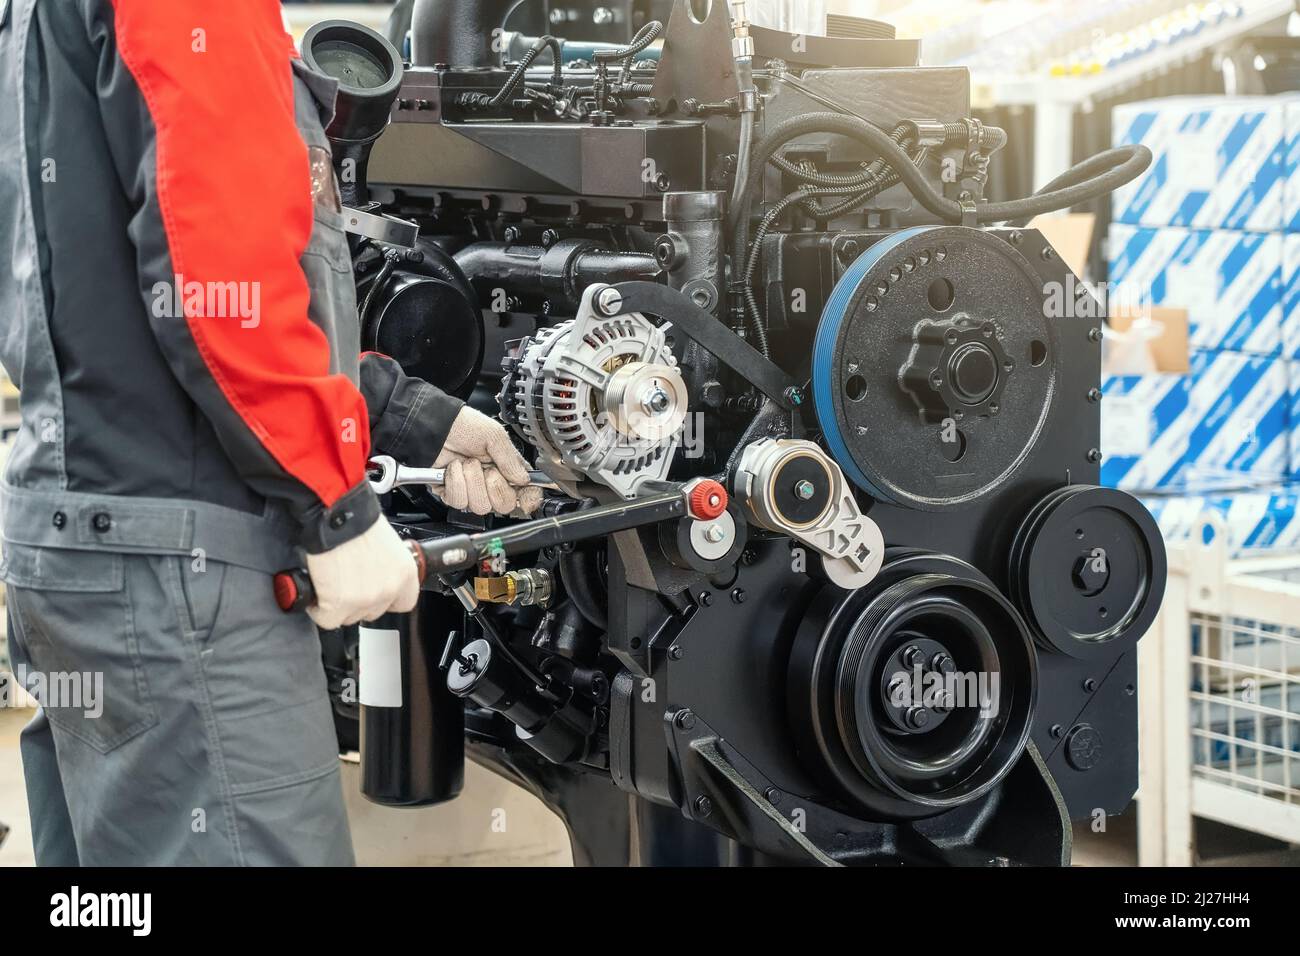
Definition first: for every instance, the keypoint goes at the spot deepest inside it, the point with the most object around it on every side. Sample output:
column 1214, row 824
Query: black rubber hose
column 385, row 271
column 803, row 196
column 581, row 577
column 644, row 37
column 1092, row 166
column 1123, row 165
column 516, row 77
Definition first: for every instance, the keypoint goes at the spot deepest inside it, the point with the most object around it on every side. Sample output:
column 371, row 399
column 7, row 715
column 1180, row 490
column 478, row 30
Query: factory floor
column 496, row 824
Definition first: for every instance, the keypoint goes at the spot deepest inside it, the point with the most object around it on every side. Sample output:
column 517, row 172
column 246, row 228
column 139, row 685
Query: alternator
column 598, row 396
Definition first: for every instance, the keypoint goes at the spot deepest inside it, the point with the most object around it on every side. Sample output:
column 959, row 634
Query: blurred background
column 1202, row 410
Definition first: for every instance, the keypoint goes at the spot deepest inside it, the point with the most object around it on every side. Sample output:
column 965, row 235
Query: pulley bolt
column 804, row 490
column 656, row 401
column 714, row 534
column 913, row 657
column 609, row 300
column 917, row 718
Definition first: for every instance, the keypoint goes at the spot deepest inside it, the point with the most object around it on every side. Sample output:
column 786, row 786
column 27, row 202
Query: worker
column 178, row 312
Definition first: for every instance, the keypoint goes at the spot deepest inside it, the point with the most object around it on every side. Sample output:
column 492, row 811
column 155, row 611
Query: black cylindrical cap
column 369, row 71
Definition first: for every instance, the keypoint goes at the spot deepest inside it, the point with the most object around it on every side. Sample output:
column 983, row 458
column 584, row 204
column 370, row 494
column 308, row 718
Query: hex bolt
column 684, row 720
column 773, row 796
column 914, row 657
column 917, row 718
column 738, row 596
column 609, row 300
column 714, row 534
column 654, row 401
column 703, row 805
column 675, row 652
column 706, row 599
column 943, row 663
column 1057, row 731
column 1089, row 685
column 1094, row 455
column 1094, row 335
column 804, row 490
column 1094, row 395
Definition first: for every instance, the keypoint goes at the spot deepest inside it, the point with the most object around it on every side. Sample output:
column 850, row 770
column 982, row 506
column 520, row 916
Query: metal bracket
column 705, row 765
column 389, row 229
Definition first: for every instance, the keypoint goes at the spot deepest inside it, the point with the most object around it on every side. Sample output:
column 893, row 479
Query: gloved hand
column 363, row 578
column 485, row 473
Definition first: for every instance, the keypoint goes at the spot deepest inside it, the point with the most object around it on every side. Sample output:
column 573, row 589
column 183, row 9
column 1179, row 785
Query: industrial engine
column 823, row 573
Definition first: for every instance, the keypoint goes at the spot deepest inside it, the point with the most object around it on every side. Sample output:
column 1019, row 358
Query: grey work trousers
column 210, row 740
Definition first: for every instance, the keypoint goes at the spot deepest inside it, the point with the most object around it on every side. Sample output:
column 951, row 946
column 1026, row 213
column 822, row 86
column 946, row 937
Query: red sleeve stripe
column 233, row 185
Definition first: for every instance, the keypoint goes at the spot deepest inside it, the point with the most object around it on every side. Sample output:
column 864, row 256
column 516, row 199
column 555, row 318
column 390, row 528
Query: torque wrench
column 702, row 499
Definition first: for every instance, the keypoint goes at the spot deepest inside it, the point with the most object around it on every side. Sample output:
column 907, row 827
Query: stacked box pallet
column 1213, row 227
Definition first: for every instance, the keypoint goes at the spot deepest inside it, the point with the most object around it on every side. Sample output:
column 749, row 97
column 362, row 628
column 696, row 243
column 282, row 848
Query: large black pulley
column 915, row 694
column 935, row 367
column 1087, row 570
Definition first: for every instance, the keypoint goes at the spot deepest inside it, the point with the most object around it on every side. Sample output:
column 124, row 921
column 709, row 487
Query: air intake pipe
column 459, row 33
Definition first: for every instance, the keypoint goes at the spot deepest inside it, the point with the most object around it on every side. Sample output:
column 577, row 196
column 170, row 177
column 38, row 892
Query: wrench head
column 382, row 472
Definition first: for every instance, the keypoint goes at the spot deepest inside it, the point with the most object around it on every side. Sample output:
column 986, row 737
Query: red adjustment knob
column 707, row 501
column 293, row 590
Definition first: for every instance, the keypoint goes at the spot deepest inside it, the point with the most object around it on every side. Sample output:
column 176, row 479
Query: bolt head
column 1087, row 578
column 609, row 300
column 918, row 718
column 714, row 534
column 804, row 490
column 656, row 401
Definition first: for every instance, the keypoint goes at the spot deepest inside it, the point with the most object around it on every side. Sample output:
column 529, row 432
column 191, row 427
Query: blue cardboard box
column 1230, row 283
column 1219, row 162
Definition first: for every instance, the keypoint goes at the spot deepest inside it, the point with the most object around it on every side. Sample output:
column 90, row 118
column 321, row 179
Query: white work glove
column 485, row 473
column 361, row 579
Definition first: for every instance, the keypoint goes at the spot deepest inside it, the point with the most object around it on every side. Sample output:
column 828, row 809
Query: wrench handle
column 438, row 476
column 294, row 590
